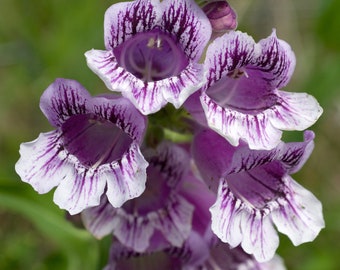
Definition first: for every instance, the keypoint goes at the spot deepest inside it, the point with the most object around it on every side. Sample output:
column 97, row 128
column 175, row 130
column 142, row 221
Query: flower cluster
column 202, row 183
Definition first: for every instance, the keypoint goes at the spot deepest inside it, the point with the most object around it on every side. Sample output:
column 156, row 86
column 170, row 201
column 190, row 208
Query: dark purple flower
column 242, row 100
column 161, row 216
column 152, row 51
column 94, row 149
column 256, row 192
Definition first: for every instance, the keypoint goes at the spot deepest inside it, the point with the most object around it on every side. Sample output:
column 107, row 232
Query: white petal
column 300, row 216
column 43, row 164
column 81, row 189
column 126, row 178
column 226, row 216
column 259, row 236
column 295, row 111
column 255, row 129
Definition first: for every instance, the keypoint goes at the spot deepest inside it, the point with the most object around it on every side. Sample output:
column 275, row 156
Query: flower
column 221, row 15
column 152, row 51
column 242, row 100
column 256, row 192
column 94, row 149
column 201, row 250
column 161, row 216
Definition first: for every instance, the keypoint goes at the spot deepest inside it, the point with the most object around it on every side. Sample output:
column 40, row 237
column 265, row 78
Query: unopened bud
column 221, row 15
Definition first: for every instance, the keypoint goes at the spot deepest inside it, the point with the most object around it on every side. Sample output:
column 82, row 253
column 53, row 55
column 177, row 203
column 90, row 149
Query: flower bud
column 221, row 15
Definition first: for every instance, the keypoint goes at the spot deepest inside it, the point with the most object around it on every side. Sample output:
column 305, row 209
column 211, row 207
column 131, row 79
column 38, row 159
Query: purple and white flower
column 93, row 150
column 201, row 250
column 161, row 216
column 152, row 51
column 242, row 100
column 256, row 192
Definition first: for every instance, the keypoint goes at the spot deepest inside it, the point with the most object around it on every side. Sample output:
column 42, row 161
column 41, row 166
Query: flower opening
column 151, row 56
column 94, row 149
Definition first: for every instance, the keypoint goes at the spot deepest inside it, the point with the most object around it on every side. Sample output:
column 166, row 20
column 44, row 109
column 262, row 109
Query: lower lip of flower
column 151, row 56
column 94, row 141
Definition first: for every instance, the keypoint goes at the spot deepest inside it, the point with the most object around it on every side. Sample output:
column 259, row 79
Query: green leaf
column 78, row 246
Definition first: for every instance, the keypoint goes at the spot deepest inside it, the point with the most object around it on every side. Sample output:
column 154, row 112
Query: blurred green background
column 42, row 40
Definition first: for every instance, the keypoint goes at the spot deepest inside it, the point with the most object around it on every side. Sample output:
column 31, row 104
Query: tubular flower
column 201, row 250
column 160, row 217
column 94, row 149
column 152, row 51
column 256, row 192
column 242, row 100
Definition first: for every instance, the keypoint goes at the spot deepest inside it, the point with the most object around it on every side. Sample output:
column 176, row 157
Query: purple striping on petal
column 178, row 20
column 124, row 20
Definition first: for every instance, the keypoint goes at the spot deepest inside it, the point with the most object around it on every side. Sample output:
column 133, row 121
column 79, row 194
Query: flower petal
column 175, row 221
column 81, row 189
column 42, row 162
column 291, row 155
column 148, row 97
column 62, row 99
column 125, row 19
column 300, row 215
column 295, row 154
column 226, row 214
column 294, row 111
column 105, row 65
column 228, row 53
column 186, row 21
column 259, row 236
column 133, row 231
column 178, row 88
column 277, row 61
column 100, row 220
column 255, row 129
column 125, row 178
column 121, row 112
